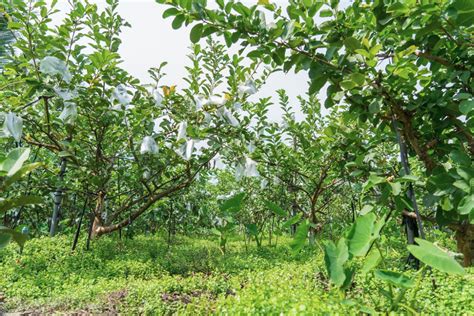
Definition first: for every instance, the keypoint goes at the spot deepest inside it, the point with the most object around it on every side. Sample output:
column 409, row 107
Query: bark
column 464, row 237
column 465, row 242
column 100, row 228
column 58, row 196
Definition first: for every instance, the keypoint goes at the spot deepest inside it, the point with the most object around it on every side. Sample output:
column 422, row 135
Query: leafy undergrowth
column 145, row 276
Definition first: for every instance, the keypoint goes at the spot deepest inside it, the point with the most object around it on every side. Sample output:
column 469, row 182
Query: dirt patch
column 111, row 306
column 114, row 300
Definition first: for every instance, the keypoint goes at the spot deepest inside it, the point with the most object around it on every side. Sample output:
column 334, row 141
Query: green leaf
column 435, row 257
column 362, row 234
column 395, row 278
column 196, row 33
column 234, row 203
column 300, row 237
column 19, row 174
column 463, row 185
column 371, row 261
column 14, row 25
column 252, row 229
column 466, row 106
column 14, row 160
column 11, row 203
column 325, row 13
column 466, row 206
column 4, row 240
column 348, row 84
column 446, row 204
column 358, row 78
column 17, row 237
column 317, row 83
column 374, row 107
column 352, row 43
column 178, row 21
column 396, row 187
column 292, row 221
column 464, row 12
column 275, row 208
column 460, row 157
column 366, row 209
column 170, row 12
column 334, row 258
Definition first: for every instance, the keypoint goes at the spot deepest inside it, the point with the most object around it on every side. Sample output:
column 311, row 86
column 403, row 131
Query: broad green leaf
column 358, row 78
column 396, row 187
column 325, row 13
column 19, row 174
column 466, row 106
column 275, row 208
column 351, row 43
column 334, row 258
column 463, row 185
column 196, row 33
column 435, row 257
column 17, row 237
column 8, row 204
column 4, row 239
column 366, row 209
column 234, row 203
column 362, row 235
column 300, row 236
column 395, row 278
column 460, row 157
column 252, row 229
column 466, row 206
column 371, row 261
column 170, row 12
column 178, row 21
column 464, row 12
column 348, row 84
column 292, row 221
column 14, row 160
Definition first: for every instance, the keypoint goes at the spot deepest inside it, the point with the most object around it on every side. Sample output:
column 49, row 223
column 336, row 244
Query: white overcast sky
column 151, row 40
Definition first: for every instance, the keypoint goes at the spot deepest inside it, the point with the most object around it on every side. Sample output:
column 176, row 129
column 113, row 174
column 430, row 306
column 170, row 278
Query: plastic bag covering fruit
column 69, row 113
column 13, row 126
column 182, row 130
column 157, row 97
column 148, row 146
column 51, row 65
column 230, row 118
column 250, row 168
column 247, row 88
column 66, row 94
column 121, row 95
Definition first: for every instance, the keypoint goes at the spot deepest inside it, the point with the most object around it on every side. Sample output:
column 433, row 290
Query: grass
column 146, row 276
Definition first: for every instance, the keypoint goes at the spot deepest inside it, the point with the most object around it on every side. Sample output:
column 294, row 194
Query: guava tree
column 399, row 65
column 112, row 143
column 306, row 156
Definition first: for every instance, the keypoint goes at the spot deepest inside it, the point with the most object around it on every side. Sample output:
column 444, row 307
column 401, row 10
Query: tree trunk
column 465, row 242
column 411, row 230
column 97, row 223
column 58, row 196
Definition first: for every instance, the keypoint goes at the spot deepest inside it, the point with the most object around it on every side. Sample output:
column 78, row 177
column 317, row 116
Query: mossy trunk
column 465, row 242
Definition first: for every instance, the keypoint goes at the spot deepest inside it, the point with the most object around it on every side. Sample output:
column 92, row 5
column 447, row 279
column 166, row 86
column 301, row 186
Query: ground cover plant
column 145, row 275
column 119, row 196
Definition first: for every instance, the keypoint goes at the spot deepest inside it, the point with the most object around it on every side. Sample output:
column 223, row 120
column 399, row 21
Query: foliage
column 147, row 276
column 179, row 181
column 12, row 169
column 396, row 67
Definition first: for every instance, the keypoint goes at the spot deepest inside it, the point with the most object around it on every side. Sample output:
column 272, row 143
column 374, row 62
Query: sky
column 151, row 40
